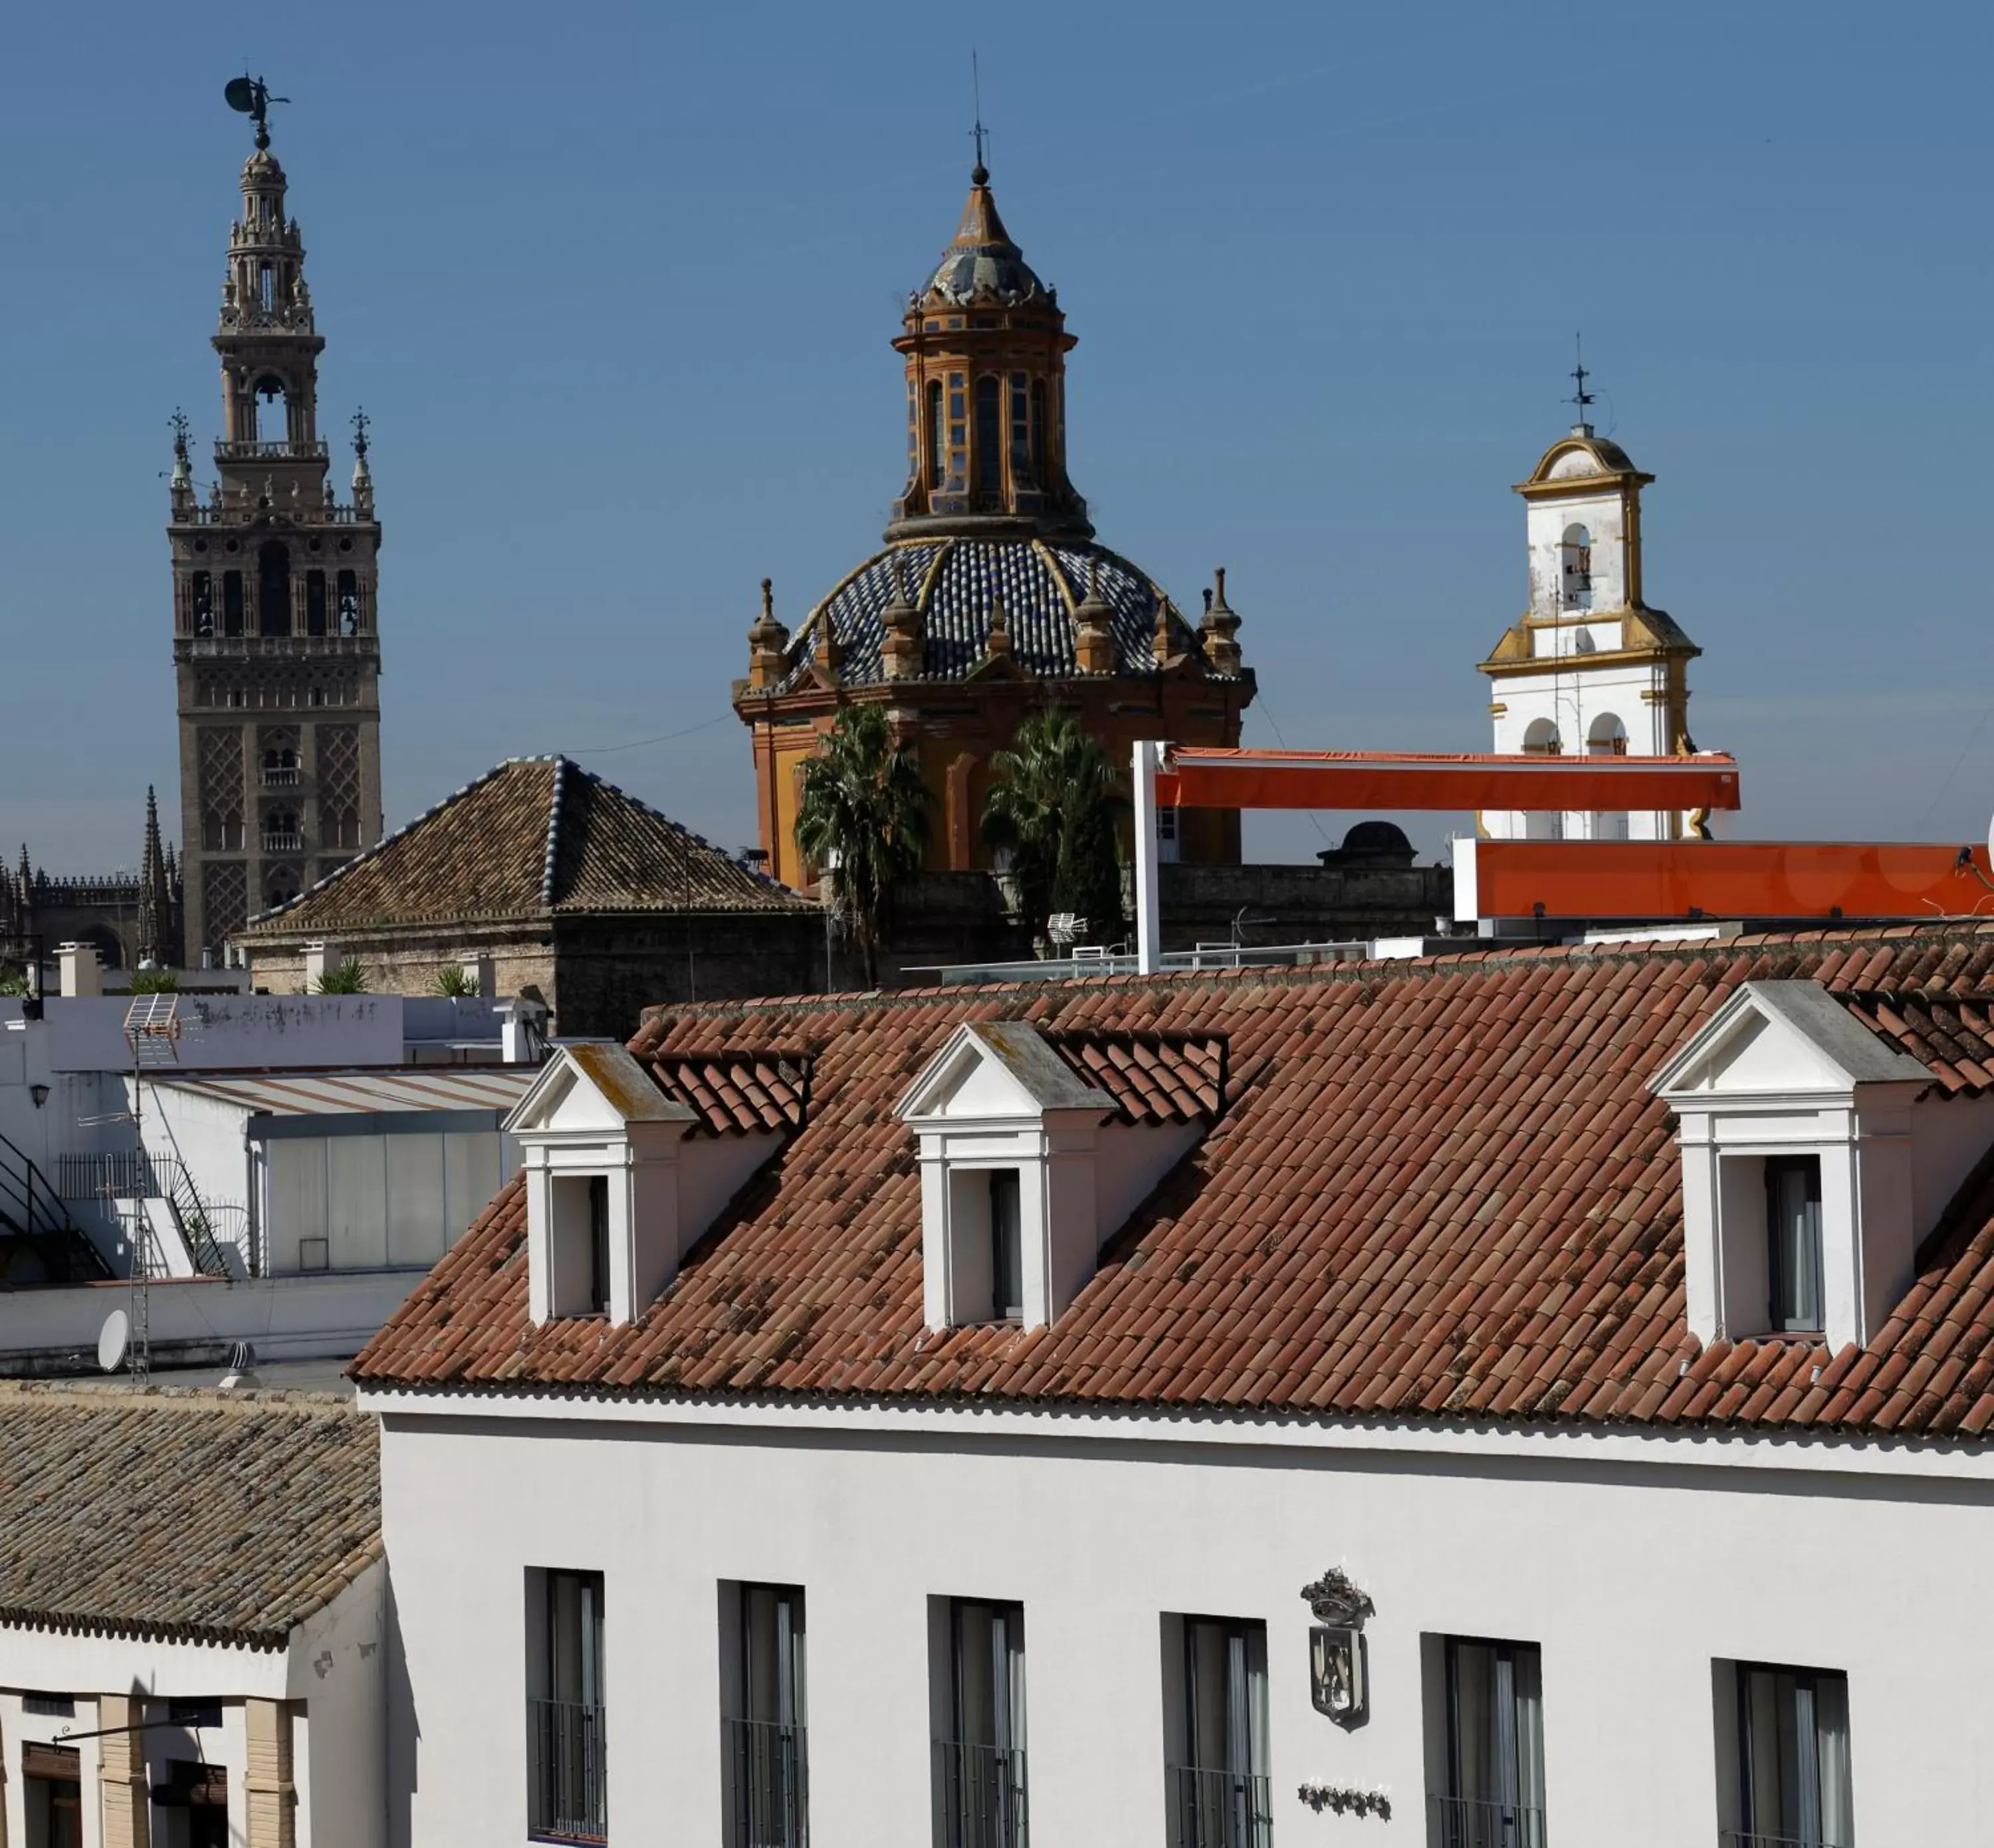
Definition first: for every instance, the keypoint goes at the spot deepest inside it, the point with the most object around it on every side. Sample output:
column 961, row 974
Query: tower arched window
column 1541, row 739
column 314, row 603
column 1606, row 737
column 232, row 603
column 266, row 287
column 1041, row 467
column 349, row 603
column 989, row 440
column 937, row 437
column 273, row 589
column 273, row 407
column 1575, row 569
column 201, row 599
column 280, row 832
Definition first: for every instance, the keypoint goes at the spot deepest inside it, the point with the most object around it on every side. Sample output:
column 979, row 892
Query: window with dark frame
column 598, row 1244
column 1219, row 1794
column 566, row 1715
column 1007, row 1247
column 979, row 1772
column 1495, row 1793
column 765, row 1741
column 1795, row 1784
column 1793, row 1243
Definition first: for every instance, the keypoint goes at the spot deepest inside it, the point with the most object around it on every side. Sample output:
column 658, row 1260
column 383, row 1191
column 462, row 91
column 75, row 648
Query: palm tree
column 1053, row 802
column 864, row 819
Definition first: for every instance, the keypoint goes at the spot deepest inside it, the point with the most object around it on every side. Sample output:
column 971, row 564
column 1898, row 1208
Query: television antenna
column 251, row 96
column 152, row 1032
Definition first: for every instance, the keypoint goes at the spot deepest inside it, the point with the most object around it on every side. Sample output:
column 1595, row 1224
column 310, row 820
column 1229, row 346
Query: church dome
column 958, row 583
column 982, row 264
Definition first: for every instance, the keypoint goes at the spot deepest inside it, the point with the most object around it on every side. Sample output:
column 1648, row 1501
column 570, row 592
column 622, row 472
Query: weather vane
column 360, row 428
column 178, row 423
column 251, row 96
column 979, row 132
column 1582, row 398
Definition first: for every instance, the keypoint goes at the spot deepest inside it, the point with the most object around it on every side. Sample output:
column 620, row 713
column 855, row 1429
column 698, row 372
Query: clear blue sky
column 615, row 284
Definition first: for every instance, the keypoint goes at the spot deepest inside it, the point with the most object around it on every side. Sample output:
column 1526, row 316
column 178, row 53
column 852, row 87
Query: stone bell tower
column 275, row 652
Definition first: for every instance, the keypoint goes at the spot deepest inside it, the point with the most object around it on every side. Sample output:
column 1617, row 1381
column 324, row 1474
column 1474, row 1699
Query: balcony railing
column 281, row 451
column 570, row 1790
column 1748, row 1838
column 1467, row 1823
column 979, row 1796
column 767, row 1768
column 275, row 843
column 245, row 648
column 1218, row 1808
column 279, row 777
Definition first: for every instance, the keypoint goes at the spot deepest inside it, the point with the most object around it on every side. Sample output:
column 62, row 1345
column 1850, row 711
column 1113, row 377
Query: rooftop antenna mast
column 251, row 96
column 979, row 132
column 1582, row 398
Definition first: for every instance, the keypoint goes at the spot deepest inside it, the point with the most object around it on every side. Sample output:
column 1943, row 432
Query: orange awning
column 1658, row 880
column 1385, row 780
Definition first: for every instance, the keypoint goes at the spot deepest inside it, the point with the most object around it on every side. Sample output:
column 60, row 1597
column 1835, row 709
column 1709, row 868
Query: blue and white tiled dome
column 956, row 583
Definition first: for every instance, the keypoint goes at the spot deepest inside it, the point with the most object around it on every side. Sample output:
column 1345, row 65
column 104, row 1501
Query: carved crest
column 1336, row 1601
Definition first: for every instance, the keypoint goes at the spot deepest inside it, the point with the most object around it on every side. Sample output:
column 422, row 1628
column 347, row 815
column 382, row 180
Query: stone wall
column 1297, row 904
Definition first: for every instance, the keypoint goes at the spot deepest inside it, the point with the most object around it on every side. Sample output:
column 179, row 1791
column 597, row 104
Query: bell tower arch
column 276, row 654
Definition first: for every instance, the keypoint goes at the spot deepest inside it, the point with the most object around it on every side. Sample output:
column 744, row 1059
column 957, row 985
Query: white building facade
column 1400, row 1466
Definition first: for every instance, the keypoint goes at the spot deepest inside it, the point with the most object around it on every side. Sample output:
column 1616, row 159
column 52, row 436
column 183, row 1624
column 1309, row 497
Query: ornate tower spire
column 155, row 898
column 985, row 346
column 275, row 645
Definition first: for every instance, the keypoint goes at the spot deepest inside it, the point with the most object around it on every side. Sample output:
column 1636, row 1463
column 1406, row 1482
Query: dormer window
column 1792, row 1221
column 629, row 1162
column 1812, row 1165
column 1035, row 1148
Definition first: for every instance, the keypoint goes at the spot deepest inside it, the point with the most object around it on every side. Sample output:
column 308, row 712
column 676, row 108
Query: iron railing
column 979, row 1796
column 767, row 1767
column 1749, row 1838
column 277, row 776
column 40, row 1242
column 1468, row 1822
column 570, row 1790
column 283, row 450
column 1218, row 1808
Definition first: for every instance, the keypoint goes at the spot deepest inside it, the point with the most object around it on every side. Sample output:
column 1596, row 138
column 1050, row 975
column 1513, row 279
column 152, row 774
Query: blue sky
column 615, row 284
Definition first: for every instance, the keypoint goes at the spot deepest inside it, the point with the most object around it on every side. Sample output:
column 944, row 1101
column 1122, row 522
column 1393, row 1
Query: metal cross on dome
column 1582, row 398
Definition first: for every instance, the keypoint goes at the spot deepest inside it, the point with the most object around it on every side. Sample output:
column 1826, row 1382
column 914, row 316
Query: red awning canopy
column 1656, row 880
column 1193, row 777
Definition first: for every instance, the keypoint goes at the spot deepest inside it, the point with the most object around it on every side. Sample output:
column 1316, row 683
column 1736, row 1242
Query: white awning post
column 1148, row 922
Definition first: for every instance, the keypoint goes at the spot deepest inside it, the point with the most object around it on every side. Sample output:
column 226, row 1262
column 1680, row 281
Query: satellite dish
column 240, row 95
column 112, row 1340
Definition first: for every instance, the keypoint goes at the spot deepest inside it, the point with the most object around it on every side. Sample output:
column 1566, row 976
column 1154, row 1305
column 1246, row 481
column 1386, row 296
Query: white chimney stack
column 82, row 975
column 523, row 1038
column 321, row 959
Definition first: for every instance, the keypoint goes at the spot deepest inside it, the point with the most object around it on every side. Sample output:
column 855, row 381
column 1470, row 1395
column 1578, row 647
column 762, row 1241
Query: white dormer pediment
column 1779, row 1039
column 997, row 1071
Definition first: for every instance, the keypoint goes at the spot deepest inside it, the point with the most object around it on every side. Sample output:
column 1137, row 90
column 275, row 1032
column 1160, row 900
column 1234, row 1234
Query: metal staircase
column 39, row 1243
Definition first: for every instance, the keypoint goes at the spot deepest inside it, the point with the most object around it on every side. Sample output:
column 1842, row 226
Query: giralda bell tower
column 275, row 652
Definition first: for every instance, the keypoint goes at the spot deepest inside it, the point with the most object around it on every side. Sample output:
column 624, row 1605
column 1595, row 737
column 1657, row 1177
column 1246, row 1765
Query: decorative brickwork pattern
column 224, row 899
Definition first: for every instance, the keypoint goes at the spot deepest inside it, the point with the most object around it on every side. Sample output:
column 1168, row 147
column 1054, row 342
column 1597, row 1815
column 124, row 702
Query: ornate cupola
column 992, row 598
column 985, row 346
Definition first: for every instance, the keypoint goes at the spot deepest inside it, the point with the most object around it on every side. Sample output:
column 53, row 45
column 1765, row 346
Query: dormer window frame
column 1823, row 1089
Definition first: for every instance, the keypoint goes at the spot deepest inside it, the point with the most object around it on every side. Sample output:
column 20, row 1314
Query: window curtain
column 1831, row 1720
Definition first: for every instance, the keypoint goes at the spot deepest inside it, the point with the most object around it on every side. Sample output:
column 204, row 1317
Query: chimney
column 523, row 1038
column 81, row 975
column 478, row 971
column 321, row 959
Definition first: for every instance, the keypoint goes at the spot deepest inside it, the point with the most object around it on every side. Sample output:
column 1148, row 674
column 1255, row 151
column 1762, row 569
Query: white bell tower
column 1589, row 668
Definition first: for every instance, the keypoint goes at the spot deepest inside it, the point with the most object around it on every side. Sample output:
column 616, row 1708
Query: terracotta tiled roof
column 534, row 837
column 1439, row 1190
column 1954, row 1034
column 734, row 1091
column 195, row 1515
column 1153, row 1078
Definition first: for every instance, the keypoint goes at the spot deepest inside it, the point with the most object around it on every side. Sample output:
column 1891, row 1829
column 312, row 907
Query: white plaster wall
column 233, row 1031
column 337, row 1668
column 1633, row 1564
column 1571, row 699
